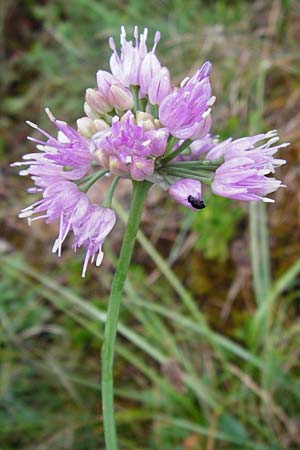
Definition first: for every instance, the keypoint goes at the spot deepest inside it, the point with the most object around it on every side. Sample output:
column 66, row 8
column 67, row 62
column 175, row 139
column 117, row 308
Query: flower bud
column 90, row 112
column 149, row 68
column 102, row 157
column 120, row 97
column 141, row 168
column 159, row 140
column 145, row 120
column 97, row 102
column 100, row 124
column 104, row 82
column 86, row 126
column 116, row 166
column 160, row 86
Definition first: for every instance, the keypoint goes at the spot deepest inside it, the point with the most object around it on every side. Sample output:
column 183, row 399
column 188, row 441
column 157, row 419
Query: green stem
column 93, row 180
column 205, row 164
column 179, row 150
column 135, row 94
column 140, row 190
column 205, row 178
column 108, row 198
column 171, row 142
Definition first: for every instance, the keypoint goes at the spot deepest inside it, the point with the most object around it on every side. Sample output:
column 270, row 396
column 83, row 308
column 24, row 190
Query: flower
column 186, row 111
column 114, row 93
column 160, row 86
column 127, row 67
column 128, row 149
column 188, row 193
column 54, row 171
column 138, row 125
column 242, row 176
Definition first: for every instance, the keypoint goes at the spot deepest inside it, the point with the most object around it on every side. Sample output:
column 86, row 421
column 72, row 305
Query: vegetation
column 203, row 360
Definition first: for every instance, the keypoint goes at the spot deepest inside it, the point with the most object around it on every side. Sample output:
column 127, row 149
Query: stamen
column 33, row 125
column 60, row 234
column 136, row 35
column 36, row 218
column 112, row 44
column 25, row 214
column 184, row 81
column 156, row 41
column 50, row 115
column 86, row 261
column 206, row 113
column 272, row 141
column 211, row 101
column 36, row 141
column 99, row 257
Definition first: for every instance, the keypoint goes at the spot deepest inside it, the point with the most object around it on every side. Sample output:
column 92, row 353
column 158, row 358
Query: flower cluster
column 138, row 125
column 55, row 171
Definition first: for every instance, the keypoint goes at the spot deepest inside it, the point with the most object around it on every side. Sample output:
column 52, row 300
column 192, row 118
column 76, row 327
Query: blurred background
column 206, row 359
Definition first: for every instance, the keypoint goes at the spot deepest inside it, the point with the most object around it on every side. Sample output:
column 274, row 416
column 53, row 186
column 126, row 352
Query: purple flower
column 126, row 67
column 97, row 102
column 70, row 150
column 53, row 172
column 113, row 92
column 160, row 86
column 186, row 111
column 87, row 127
column 242, row 176
column 129, row 149
column 188, row 193
column 150, row 66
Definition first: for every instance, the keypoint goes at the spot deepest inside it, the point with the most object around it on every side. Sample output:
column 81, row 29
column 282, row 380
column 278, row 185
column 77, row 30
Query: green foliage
column 216, row 225
column 181, row 384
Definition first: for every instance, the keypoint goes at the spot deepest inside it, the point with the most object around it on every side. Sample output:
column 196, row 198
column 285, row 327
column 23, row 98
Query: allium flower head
column 138, row 125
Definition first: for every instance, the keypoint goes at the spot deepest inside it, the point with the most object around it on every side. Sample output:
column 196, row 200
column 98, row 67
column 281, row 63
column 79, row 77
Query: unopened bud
column 160, row 86
column 145, row 120
column 97, row 102
column 100, row 124
column 149, row 68
column 102, row 157
column 86, row 126
column 90, row 112
column 120, row 97
column 116, row 166
column 140, row 169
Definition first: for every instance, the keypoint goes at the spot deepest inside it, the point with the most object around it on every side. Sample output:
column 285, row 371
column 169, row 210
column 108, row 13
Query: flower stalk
column 140, row 190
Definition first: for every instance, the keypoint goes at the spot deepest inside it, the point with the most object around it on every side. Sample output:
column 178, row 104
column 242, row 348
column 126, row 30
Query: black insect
column 196, row 202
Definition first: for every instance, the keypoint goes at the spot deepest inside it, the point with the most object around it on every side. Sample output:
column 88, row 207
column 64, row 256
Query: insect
column 196, row 202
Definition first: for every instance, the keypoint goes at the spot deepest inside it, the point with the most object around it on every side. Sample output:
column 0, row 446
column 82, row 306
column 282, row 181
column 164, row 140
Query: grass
column 202, row 361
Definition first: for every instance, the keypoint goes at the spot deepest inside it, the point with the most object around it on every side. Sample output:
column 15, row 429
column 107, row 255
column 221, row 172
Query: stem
column 108, row 198
column 205, row 178
column 135, row 94
column 179, row 150
column 140, row 190
column 93, row 180
column 171, row 142
column 204, row 164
